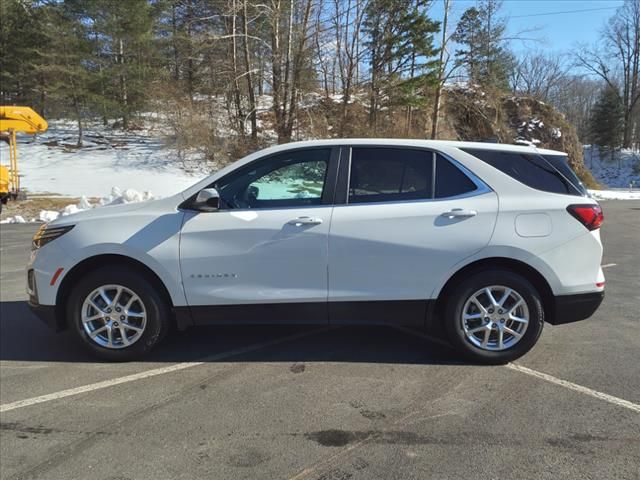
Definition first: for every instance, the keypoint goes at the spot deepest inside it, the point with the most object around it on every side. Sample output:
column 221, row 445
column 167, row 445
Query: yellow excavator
column 15, row 120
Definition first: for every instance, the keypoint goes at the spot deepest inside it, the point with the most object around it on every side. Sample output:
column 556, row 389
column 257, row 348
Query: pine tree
column 19, row 39
column 400, row 42
column 62, row 59
column 606, row 123
column 181, row 26
column 480, row 33
column 126, row 46
column 468, row 34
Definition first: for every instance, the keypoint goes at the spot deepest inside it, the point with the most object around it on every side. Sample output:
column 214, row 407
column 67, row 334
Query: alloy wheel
column 114, row 316
column 495, row 318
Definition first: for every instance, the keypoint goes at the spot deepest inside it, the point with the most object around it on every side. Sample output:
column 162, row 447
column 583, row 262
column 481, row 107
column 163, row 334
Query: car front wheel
column 117, row 314
column 494, row 317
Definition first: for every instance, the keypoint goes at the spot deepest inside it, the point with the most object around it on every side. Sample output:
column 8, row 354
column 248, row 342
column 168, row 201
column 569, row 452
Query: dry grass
column 30, row 208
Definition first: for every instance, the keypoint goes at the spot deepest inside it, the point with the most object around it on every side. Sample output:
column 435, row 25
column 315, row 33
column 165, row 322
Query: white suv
column 482, row 241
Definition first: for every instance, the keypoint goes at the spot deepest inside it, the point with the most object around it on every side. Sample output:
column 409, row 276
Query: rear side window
column 401, row 174
column 450, row 180
column 531, row 169
column 390, row 174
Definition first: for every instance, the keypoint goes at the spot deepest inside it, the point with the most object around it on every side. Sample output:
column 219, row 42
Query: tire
column 507, row 338
column 145, row 312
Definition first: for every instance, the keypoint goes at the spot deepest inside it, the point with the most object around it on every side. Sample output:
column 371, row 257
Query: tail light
column 589, row 215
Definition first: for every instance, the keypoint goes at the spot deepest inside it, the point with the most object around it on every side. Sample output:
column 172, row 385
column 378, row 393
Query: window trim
column 344, row 177
column 328, row 191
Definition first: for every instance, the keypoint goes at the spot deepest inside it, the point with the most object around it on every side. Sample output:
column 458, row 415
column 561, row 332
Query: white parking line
column 578, row 388
column 549, row 378
column 608, row 265
column 151, row 373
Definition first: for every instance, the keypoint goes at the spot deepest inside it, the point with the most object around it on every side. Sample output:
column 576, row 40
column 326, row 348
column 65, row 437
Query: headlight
column 46, row 234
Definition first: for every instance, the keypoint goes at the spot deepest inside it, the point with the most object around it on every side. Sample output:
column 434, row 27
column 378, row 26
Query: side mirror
column 208, row 200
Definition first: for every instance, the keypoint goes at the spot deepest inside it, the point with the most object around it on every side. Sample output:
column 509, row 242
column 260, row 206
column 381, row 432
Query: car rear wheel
column 494, row 317
column 117, row 314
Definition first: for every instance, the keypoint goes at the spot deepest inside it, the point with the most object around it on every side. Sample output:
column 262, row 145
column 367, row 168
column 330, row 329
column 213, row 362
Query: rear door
column 408, row 216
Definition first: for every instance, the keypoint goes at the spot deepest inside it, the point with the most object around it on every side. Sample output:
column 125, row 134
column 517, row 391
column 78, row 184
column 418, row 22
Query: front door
column 263, row 256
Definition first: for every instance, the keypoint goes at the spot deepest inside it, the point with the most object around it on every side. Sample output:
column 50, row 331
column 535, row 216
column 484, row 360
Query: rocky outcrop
column 473, row 114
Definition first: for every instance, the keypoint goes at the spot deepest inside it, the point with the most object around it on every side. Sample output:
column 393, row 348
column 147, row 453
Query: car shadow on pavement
column 23, row 337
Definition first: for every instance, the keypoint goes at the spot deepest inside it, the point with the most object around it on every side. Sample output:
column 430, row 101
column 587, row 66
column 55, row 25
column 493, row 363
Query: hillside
column 471, row 114
column 467, row 113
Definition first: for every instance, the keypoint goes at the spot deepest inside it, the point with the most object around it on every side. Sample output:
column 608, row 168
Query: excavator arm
column 15, row 120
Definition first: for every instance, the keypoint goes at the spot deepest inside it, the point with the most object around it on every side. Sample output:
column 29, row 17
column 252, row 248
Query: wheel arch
column 516, row 266
column 97, row 261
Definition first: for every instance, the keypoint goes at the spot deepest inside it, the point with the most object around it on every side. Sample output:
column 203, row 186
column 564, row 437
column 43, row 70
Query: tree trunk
column 239, row 120
column 251, row 92
column 190, row 67
column 409, row 118
column 174, row 44
column 435, row 116
column 296, row 73
column 123, row 86
column 284, row 135
column 276, row 68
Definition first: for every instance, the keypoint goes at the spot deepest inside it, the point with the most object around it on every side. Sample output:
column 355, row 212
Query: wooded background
column 210, row 66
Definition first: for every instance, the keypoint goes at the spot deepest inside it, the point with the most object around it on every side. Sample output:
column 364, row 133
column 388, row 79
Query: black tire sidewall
column 463, row 291
column 156, row 308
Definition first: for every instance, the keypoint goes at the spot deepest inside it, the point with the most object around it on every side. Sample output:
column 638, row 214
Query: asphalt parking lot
column 325, row 403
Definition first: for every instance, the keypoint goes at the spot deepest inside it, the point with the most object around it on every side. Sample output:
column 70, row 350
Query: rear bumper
column 573, row 308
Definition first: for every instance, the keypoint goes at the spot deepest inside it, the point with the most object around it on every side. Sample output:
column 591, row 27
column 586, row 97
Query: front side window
column 289, row 179
column 389, row 174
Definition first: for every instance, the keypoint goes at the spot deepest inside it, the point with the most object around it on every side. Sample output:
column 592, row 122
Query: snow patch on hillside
column 617, row 172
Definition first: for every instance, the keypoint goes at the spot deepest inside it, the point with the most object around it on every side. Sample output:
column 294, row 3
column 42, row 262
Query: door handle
column 305, row 221
column 459, row 213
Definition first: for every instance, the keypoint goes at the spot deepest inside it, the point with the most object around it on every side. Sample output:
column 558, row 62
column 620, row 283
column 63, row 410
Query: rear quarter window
column 561, row 163
column 532, row 169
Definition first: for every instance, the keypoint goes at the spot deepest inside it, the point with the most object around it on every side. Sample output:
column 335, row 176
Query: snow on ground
column 116, row 197
column 16, row 219
column 614, row 173
column 138, row 160
column 615, row 194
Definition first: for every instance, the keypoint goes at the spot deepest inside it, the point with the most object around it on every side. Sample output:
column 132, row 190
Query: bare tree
column 539, row 74
column 575, row 97
column 348, row 27
column 289, row 25
column 617, row 61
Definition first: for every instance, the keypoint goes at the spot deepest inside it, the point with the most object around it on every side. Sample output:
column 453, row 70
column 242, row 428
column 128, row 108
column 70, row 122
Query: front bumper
column 46, row 313
column 573, row 308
